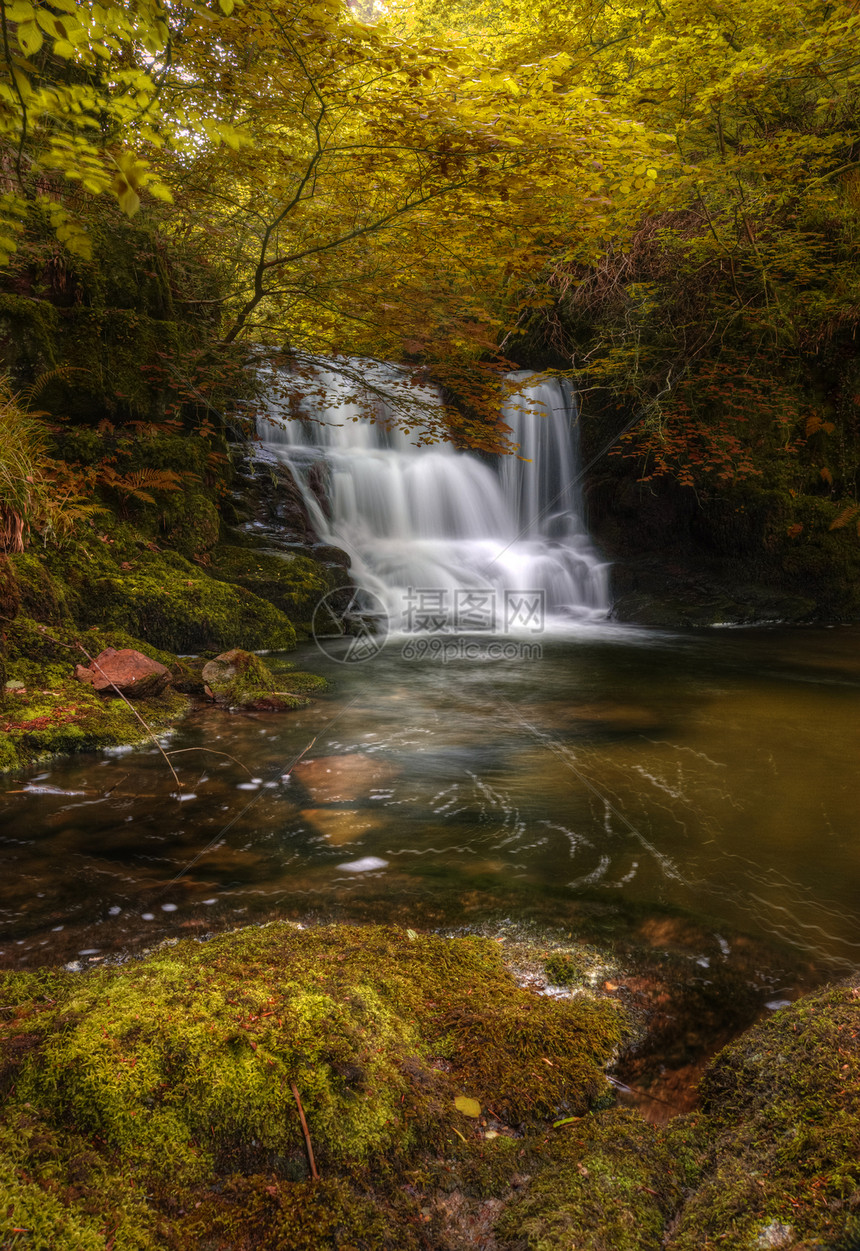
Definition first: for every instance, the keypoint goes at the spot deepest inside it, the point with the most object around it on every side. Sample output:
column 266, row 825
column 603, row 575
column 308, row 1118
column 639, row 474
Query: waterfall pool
column 694, row 794
column 713, row 774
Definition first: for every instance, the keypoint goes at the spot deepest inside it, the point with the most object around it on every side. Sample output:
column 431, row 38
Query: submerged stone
column 344, row 779
column 341, row 825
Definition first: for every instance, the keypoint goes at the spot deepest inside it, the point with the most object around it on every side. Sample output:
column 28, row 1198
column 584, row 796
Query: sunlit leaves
column 79, row 104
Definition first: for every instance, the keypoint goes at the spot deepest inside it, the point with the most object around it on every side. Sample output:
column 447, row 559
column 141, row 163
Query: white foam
column 367, row 864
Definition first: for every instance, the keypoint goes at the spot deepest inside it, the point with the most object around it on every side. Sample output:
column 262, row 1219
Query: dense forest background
column 660, row 200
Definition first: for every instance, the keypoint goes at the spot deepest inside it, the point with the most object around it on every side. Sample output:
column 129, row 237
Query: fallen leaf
column 469, row 1107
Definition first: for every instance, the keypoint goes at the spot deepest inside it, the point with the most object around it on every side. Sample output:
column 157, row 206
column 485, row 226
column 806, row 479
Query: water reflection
column 716, row 773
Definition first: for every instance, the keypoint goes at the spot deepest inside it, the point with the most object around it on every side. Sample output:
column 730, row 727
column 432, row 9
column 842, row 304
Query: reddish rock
column 344, row 779
column 131, row 673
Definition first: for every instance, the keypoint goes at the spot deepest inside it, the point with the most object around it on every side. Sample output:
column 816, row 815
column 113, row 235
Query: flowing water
column 715, row 773
column 428, row 520
column 564, row 770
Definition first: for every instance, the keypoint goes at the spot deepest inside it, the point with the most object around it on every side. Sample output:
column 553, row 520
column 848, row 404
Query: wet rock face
column 266, row 498
column 127, row 671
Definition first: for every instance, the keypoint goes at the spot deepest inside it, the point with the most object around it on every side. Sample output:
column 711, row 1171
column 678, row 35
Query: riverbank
column 187, row 1100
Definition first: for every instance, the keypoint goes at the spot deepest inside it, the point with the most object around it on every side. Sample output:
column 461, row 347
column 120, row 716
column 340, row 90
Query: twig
column 306, row 1133
column 212, row 751
column 305, row 752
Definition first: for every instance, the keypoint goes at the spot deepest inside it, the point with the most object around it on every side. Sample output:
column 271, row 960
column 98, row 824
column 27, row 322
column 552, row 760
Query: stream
column 713, row 773
column 494, row 753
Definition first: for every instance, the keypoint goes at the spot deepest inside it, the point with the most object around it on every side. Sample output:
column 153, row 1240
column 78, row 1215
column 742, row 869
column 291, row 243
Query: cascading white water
column 428, row 524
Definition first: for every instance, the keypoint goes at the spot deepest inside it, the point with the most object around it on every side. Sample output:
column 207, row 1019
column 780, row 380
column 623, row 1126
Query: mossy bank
column 159, row 1103
column 146, row 422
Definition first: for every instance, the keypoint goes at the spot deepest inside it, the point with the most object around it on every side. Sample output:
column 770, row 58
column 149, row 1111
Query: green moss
column 189, row 521
column 774, row 1148
column 300, row 683
column 8, row 755
column 294, row 583
column 70, row 717
column 153, row 1103
column 176, row 1075
column 29, row 331
column 565, row 968
column 779, row 1137
column 40, row 654
column 54, row 712
column 239, row 679
column 10, row 594
column 40, row 595
column 607, row 1184
column 161, row 597
column 59, row 1191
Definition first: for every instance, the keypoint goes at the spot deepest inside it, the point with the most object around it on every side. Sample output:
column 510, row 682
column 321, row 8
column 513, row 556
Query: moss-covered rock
column 155, row 1104
column 294, row 583
column 50, row 712
column 40, row 595
column 40, row 654
column 119, row 582
column 770, row 1160
column 238, row 679
column 608, row 1183
column 779, row 1134
column 71, row 717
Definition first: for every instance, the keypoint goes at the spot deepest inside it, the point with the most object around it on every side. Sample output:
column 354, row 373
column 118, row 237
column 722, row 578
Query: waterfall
column 419, row 518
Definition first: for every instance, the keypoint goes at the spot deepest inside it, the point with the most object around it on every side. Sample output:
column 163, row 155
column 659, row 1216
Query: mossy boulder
column 50, row 712
column 240, row 680
column 40, row 595
column 40, row 654
column 779, row 1134
column 119, row 582
column 156, row 1104
column 772, row 1158
column 294, row 583
column 608, row 1183
column 71, row 717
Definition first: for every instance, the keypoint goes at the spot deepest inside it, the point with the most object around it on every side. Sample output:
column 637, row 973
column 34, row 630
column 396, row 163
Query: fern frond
column 844, row 517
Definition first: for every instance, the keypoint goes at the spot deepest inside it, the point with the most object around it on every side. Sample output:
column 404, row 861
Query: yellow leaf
column 63, row 48
column 226, row 6
column 129, row 200
column 469, row 1107
column 20, row 11
column 30, row 38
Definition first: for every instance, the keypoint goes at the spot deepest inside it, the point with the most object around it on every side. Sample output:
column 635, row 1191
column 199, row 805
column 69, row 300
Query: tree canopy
column 436, row 181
